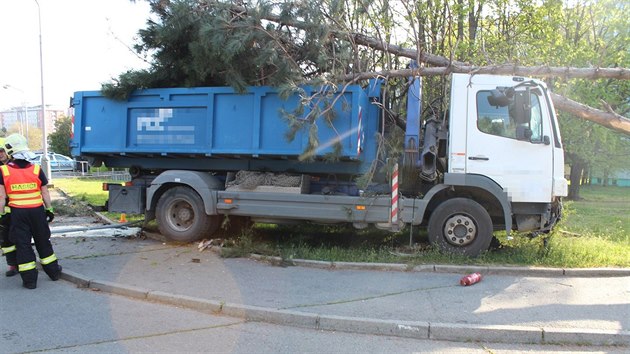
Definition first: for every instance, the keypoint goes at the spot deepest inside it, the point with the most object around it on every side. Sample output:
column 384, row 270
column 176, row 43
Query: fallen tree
column 236, row 45
column 608, row 118
column 444, row 66
column 504, row 69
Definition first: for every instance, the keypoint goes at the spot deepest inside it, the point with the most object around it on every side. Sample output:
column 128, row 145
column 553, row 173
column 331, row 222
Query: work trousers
column 27, row 223
column 8, row 248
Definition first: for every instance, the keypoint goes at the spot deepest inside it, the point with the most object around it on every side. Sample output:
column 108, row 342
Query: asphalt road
column 58, row 317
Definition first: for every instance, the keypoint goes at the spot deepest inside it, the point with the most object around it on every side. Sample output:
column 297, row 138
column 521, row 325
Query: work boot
column 30, row 285
column 29, row 279
column 12, row 271
column 54, row 275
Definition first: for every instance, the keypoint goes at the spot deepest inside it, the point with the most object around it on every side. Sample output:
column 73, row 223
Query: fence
column 113, row 174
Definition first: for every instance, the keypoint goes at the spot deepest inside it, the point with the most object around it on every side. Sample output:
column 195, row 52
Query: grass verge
column 595, row 232
column 90, row 192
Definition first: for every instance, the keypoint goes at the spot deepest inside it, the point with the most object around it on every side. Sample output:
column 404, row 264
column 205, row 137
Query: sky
column 84, row 42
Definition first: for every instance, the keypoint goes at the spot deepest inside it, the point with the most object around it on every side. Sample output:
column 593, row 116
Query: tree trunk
column 585, row 176
column 460, row 20
column 473, row 20
column 610, row 119
column 575, row 179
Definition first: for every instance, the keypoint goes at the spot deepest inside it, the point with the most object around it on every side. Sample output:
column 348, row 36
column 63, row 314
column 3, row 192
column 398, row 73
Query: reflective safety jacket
column 23, row 186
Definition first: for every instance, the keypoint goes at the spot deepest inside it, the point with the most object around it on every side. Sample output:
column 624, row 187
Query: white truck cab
column 521, row 152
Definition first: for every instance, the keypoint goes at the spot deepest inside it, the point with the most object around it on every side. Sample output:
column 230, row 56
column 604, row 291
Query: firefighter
column 8, row 248
column 25, row 185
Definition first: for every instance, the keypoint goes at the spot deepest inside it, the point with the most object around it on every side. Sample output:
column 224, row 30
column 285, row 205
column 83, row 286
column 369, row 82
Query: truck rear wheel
column 181, row 216
column 460, row 226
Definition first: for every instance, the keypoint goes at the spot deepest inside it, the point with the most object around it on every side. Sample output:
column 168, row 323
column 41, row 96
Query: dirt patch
column 66, row 207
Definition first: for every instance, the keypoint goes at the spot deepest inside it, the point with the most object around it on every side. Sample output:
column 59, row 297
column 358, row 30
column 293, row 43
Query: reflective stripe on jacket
column 23, row 186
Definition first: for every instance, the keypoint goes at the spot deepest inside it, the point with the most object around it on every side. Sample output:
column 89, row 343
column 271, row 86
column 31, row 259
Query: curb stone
column 407, row 329
column 455, row 269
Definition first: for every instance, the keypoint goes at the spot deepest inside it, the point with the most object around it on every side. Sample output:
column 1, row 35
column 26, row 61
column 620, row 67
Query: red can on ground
column 470, row 279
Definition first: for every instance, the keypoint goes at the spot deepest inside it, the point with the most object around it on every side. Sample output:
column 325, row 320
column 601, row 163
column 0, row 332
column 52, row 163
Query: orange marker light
column 228, row 201
column 360, row 207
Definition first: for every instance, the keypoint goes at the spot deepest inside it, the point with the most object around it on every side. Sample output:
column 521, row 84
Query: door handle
column 478, row 158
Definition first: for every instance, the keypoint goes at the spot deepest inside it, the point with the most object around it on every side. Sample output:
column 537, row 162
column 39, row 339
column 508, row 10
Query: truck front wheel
column 181, row 216
column 460, row 226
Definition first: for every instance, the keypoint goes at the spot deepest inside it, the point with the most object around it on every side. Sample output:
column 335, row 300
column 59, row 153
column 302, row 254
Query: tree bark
column 608, row 119
column 586, row 176
column 446, row 66
column 575, row 179
column 505, row 69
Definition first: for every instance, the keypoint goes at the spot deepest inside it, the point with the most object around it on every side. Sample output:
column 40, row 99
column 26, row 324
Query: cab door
column 512, row 150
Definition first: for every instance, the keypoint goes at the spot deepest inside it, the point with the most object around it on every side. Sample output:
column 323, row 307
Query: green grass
column 91, row 192
column 603, row 211
column 595, row 232
column 86, row 190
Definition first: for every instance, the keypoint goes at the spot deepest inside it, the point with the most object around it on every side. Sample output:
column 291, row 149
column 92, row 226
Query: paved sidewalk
column 514, row 305
column 510, row 304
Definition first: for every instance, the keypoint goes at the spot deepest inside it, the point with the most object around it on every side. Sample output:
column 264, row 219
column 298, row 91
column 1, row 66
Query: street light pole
column 45, row 162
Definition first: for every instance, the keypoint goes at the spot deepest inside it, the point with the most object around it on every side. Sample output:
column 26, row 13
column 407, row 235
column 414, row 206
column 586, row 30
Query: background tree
column 35, row 137
column 59, row 139
column 591, row 33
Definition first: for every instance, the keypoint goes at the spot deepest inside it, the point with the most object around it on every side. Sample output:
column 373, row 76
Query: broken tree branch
column 506, row 69
column 609, row 120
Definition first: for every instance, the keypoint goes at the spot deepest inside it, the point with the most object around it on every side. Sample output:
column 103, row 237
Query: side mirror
column 521, row 108
column 501, row 97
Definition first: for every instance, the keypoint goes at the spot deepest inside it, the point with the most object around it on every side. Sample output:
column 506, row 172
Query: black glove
column 50, row 215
